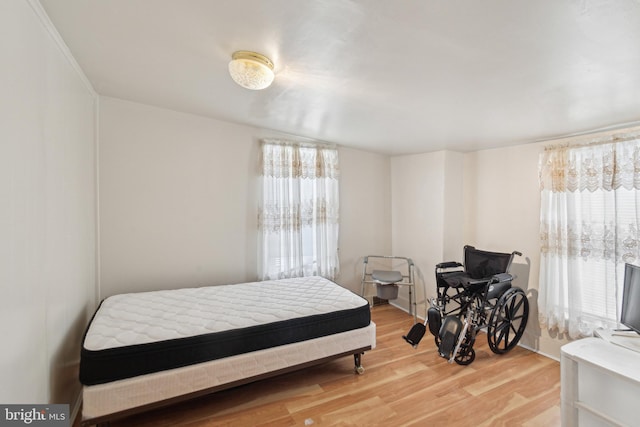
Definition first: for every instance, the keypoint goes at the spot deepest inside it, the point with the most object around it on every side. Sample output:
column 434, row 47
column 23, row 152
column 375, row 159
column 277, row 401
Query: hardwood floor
column 401, row 386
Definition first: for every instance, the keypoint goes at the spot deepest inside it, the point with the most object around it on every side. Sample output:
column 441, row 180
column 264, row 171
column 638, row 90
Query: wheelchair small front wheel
column 465, row 357
column 508, row 320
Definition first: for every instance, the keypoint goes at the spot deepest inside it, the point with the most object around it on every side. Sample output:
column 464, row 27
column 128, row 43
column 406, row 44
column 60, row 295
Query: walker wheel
column 359, row 370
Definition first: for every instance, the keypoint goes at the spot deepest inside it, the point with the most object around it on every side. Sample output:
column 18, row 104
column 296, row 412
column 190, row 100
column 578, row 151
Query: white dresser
column 600, row 384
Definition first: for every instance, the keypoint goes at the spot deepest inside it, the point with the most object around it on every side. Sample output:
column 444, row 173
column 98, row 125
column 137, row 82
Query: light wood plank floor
column 401, row 386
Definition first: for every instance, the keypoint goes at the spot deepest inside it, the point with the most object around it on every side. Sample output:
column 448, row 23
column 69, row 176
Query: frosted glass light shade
column 251, row 70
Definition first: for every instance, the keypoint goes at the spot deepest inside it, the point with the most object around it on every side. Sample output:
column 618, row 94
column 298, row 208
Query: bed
column 149, row 349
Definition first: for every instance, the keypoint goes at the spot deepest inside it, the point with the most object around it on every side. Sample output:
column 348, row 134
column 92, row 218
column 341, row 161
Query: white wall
column 47, row 219
column 421, row 190
column 455, row 207
column 365, row 212
column 179, row 194
column 178, row 199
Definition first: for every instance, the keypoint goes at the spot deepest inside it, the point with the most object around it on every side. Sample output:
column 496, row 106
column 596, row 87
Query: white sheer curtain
column 298, row 218
column 589, row 219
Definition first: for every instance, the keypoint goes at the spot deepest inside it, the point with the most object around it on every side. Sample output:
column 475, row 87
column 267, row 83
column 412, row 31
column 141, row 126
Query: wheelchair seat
column 479, row 268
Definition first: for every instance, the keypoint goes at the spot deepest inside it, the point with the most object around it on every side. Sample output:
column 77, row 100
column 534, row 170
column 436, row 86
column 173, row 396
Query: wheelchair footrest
column 449, row 333
column 415, row 334
column 434, row 320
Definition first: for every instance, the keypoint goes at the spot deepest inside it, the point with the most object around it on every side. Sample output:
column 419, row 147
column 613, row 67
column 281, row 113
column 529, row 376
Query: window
column 589, row 218
column 299, row 212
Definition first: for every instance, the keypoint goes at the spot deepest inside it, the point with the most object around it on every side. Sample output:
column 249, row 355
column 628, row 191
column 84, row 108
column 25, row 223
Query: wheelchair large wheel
column 508, row 321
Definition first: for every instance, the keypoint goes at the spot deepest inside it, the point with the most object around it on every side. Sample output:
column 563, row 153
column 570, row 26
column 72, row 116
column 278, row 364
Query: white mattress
column 142, row 333
column 103, row 399
column 131, row 319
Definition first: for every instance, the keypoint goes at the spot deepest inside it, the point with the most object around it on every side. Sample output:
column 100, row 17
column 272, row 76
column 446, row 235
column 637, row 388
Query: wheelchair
column 472, row 296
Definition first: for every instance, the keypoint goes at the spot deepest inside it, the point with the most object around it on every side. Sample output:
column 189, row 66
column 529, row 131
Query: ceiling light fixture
column 251, row 70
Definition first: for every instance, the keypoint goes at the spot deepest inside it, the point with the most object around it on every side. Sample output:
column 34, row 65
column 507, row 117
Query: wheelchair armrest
column 478, row 281
column 501, row 278
column 449, row 264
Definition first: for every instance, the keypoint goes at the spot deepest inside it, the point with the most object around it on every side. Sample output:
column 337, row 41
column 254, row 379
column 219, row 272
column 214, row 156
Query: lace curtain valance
column 606, row 163
column 286, row 159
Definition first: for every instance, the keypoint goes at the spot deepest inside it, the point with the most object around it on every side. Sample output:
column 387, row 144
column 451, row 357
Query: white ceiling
column 388, row 76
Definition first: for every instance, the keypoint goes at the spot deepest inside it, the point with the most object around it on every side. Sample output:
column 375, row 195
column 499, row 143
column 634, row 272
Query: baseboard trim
column 75, row 408
column 539, row 352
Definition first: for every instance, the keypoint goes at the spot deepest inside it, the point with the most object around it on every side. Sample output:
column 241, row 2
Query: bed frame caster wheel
column 359, row 369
